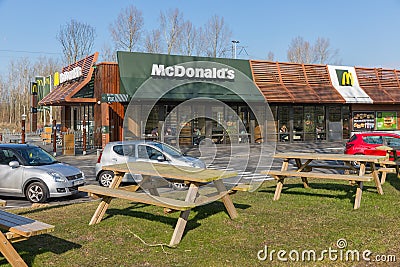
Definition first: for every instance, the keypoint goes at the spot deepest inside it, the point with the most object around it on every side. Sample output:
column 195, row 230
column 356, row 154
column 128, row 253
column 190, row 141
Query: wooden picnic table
column 193, row 177
column 306, row 163
column 18, row 228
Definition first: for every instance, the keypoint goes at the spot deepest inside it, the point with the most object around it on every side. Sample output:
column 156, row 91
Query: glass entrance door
column 335, row 127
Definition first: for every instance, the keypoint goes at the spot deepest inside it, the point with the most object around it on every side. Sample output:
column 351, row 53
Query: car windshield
column 172, row 151
column 36, row 156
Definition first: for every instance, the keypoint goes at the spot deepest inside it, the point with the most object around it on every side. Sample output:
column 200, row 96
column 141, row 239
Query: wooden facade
column 109, row 115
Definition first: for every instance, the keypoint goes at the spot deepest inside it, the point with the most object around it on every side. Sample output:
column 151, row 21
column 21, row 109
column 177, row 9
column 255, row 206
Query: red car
column 366, row 143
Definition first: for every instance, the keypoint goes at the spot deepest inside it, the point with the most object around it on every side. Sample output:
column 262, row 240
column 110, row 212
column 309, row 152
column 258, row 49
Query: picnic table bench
column 391, row 164
column 194, row 177
column 18, row 228
column 304, row 165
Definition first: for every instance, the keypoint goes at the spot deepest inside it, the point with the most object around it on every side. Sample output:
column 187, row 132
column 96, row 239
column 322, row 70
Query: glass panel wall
column 298, row 123
column 301, row 123
column 190, row 124
column 284, row 123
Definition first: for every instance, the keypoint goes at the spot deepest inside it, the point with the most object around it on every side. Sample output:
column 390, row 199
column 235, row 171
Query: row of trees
column 174, row 35
column 15, row 95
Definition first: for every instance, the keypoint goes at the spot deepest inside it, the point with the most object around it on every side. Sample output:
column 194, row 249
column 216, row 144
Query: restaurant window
column 284, row 123
column 320, row 123
column 171, row 124
column 151, row 129
column 309, row 123
column 185, row 125
column 298, row 123
column 335, row 124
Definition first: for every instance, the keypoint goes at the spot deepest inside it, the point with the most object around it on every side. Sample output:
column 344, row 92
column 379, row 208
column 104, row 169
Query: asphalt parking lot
column 221, row 156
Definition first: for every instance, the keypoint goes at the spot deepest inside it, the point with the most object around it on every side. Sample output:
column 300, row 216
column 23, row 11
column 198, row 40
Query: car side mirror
column 13, row 164
column 160, row 158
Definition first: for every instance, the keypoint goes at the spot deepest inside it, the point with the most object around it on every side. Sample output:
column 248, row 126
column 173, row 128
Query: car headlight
column 57, row 177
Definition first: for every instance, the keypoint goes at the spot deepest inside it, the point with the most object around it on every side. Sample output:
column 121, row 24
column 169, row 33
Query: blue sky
column 366, row 32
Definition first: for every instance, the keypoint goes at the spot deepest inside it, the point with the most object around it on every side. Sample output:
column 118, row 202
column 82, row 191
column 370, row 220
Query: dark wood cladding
column 107, row 82
column 106, row 79
column 382, row 85
column 294, row 83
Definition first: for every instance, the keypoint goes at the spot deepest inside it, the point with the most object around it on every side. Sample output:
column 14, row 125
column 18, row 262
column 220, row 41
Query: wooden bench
column 349, row 177
column 330, row 166
column 389, row 166
column 19, row 228
column 281, row 175
column 241, row 187
column 144, row 198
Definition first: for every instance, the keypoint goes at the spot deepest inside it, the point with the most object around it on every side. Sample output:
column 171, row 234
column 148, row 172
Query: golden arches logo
column 347, row 79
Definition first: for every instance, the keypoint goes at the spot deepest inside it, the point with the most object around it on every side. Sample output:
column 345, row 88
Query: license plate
column 75, row 183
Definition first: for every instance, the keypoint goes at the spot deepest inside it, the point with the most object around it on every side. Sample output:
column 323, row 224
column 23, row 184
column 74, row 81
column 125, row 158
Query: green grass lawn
column 303, row 219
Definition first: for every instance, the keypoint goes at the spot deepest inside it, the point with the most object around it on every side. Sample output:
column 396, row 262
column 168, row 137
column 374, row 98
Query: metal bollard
column 98, row 152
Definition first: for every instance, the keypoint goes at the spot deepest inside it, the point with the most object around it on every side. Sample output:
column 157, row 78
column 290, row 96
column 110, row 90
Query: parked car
column 29, row 171
column 147, row 151
column 366, row 143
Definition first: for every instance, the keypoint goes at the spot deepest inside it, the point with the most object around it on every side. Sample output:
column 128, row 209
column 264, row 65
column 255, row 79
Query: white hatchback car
column 147, row 151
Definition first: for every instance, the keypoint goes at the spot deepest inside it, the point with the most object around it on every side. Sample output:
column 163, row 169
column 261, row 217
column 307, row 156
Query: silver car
column 28, row 170
column 148, row 151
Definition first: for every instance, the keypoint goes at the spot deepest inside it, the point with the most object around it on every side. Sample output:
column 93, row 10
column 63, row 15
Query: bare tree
column 152, row 43
column 189, row 39
column 270, row 56
column 17, row 96
column 301, row 51
column 77, row 40
column 201, row 42
column 171, row 28
column 126, row 31
column 322, row 51
column 108, row 54
column 218, row 35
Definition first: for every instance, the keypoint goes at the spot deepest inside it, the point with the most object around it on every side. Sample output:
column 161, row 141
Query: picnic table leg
column 279, row 187
column 301, row 167
column 305, row 182
column 10, row 253
column 383, row 175
column 182, row 220
column 285, row 165
column 230, row 208
column 105, row 202
column 357, row 201
column 375, row 175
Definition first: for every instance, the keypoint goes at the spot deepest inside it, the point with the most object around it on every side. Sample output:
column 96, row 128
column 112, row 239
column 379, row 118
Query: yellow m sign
column 345, row 77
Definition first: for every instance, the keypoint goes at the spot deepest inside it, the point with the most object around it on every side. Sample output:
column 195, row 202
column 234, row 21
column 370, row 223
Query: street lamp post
column 23, row 119
column 234, row 43
column 84, row 134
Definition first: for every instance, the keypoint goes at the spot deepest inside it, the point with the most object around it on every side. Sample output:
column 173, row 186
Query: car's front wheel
column 37, row 192
column 105, row 178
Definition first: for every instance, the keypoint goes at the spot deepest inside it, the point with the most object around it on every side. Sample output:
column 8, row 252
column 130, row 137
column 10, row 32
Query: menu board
column 386, row 120
column 364, row 121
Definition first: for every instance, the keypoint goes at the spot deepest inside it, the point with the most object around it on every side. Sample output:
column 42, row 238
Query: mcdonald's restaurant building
column 182, row 99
